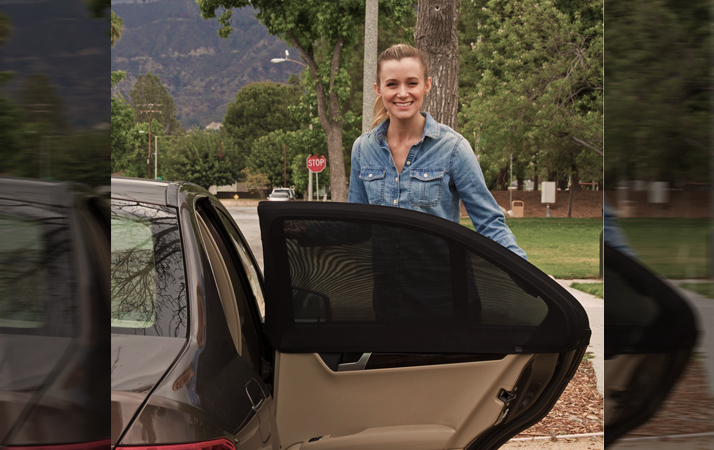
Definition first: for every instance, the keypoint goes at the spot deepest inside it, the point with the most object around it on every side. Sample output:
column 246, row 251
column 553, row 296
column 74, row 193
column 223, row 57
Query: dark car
column 374, row 326
column 54, row 301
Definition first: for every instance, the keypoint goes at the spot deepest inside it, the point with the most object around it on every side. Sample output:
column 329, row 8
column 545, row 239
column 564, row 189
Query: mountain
column 60, row 40
column 201, row 71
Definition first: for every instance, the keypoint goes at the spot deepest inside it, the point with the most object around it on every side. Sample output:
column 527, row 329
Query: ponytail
column 379, row 112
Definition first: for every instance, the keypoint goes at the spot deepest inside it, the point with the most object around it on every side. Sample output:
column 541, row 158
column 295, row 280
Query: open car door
column 397, row 329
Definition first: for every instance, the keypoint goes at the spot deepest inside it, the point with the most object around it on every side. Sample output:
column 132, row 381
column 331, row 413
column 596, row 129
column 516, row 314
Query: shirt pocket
column 425, row 186
column 373, row 180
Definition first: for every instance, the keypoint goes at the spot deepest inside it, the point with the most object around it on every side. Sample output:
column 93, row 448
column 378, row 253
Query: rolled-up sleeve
column 480, row 205
column 357, row 193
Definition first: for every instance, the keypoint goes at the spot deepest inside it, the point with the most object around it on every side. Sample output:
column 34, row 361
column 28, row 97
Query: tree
column 122, row 120
column 203, row 157
column 321, row 32
column 148, row 89
column 435, row 35
column 117, row 28
column 259, row 109
column 43, row 106
column 659, row 85
column 255, row 181
column 266, row 156
column 537, row 90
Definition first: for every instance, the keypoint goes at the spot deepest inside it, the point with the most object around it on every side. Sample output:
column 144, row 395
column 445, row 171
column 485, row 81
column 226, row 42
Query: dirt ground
column 688, row 409
column 586, row 204
column 688, row 203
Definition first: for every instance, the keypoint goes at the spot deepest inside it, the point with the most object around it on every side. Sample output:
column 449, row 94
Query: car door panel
column 414, row 294
column 312, row 400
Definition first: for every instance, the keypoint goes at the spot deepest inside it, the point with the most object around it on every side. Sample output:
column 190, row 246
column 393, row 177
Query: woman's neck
column 406, row 130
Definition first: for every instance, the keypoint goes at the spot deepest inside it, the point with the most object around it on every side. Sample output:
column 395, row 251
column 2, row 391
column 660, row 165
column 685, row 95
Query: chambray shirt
column 439, row 170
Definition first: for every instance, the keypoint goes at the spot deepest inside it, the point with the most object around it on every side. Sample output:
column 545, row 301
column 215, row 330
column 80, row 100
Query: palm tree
column 117, row 28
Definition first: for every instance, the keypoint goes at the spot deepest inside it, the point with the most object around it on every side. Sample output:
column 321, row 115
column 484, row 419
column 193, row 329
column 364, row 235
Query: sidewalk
column 596, row 315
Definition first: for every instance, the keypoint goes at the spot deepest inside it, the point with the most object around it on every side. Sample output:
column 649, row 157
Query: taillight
column 218, row 444
column 95, row 445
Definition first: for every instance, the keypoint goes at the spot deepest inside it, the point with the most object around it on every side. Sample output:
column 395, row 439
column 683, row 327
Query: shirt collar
column 431, row 128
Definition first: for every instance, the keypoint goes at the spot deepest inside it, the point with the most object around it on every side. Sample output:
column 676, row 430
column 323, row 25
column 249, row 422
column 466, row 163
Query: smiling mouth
column 403, row 104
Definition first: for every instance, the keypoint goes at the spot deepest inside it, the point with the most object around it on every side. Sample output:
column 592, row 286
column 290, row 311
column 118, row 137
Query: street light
column 280, row 60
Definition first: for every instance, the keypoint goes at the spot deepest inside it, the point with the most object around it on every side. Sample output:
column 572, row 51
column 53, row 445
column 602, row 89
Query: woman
column 409, row 160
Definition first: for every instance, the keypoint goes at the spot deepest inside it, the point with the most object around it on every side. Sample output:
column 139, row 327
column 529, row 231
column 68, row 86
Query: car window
column 249, row 265
column 37, row 285
column 423, row 284
column 281, row 194
column 148, row 287
column 229, row 272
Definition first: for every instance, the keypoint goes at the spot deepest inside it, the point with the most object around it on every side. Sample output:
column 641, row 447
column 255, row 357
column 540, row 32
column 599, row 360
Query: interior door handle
column 357, row 365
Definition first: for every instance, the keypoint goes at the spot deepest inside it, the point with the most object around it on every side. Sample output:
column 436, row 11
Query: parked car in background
column 435, row 338
column 281, row 195
column 54, row 301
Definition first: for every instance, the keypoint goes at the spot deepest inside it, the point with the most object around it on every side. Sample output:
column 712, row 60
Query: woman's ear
column 427, row 85
column 376, row 89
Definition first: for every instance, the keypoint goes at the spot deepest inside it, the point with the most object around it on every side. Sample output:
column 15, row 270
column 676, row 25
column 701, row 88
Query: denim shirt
column 439, row 170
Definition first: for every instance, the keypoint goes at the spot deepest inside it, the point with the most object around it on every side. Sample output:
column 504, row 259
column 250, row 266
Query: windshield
column 148, row 284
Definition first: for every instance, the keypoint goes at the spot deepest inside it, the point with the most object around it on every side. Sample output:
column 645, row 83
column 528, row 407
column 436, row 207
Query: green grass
column 705, row 289
column 674, row 248
column 596, row 289
column 564, row 248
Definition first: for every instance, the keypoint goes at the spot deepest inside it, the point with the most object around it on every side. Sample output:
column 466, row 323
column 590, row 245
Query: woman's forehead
column 401, row 69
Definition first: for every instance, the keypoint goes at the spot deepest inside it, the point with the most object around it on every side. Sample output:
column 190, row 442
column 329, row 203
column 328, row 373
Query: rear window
column 37, row 287
column 148, row 283
column 281, row 194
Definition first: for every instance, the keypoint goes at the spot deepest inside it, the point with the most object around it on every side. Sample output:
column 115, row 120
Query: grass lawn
column 564, row 248
column 596, row 289
column 674, row 248
column 705, row 289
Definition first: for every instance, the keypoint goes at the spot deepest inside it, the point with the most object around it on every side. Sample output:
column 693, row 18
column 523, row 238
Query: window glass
column 148, row 288
column 23, row 274
column 249, row 265
column 37, row 271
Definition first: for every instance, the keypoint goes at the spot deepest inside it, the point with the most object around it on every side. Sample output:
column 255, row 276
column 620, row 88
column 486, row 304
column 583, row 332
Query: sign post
column 315, row 164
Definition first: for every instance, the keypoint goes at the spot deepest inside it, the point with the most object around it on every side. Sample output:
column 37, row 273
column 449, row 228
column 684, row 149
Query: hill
column 201, row 71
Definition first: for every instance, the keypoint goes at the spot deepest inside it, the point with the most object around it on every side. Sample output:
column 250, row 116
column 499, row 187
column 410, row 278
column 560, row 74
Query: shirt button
column 370, row 175
column 395, row 202
column 397, row 179
column 409, row 163
column 426, row 175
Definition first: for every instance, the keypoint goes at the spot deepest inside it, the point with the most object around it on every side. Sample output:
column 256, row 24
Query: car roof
column 143, row 190
column 39, row 191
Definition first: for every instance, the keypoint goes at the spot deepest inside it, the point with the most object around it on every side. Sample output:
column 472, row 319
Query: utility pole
column 370, row 63
column 150, row 111
column 39, row 108
column 285, row 166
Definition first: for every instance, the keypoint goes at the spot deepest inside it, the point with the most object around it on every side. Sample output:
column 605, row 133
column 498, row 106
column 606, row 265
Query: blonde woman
column 409, row 160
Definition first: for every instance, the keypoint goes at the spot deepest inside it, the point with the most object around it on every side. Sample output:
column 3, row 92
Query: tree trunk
column 435, row 35
column 330, row 116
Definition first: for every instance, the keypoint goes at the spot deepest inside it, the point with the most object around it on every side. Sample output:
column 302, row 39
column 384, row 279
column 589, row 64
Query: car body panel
column 203, row 394
column 54, row 381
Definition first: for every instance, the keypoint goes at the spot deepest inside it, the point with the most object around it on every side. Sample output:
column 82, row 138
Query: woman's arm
column 357, row 193
column 480, row 204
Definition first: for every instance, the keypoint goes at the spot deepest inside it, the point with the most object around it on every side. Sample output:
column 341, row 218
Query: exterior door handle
column 358, row 365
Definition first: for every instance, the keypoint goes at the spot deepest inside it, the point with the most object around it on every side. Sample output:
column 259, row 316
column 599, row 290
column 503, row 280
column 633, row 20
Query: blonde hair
column 395, row 52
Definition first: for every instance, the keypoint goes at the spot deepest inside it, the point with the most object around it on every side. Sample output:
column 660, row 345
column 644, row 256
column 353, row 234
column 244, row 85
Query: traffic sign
column 316, row 163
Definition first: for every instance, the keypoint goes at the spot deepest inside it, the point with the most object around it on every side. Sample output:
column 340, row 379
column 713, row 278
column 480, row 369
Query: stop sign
column 316, row 163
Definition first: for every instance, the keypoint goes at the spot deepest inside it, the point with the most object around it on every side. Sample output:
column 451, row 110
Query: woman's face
column 402, row 87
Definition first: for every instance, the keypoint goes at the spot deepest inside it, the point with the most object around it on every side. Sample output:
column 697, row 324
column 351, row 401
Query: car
column 374, row 327
column 281, row 195
column 54, row 303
